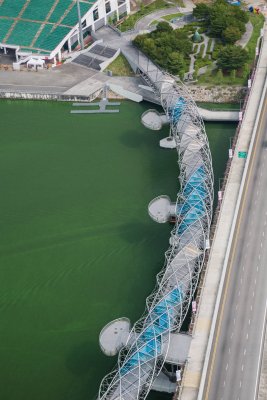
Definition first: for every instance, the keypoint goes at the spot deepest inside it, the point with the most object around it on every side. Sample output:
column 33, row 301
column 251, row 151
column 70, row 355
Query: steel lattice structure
column 141, row 360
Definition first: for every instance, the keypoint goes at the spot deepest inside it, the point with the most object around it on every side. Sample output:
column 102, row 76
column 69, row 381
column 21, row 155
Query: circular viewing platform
column 114, row 336
column 152, row 119
column 161, row 209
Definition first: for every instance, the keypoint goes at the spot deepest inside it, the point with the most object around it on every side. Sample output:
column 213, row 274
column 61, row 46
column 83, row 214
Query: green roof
column 38, row 25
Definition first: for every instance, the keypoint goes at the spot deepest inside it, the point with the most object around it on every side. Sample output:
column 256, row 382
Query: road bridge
column 233, row 370
column 226, row 348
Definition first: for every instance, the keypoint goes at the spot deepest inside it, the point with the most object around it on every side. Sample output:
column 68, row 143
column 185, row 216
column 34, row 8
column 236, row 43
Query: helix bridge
column 142, row 358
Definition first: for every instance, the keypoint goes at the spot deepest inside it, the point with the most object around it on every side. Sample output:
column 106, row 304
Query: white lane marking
column 259, row 256
column 261, row 347
column 245, row 351
column 263, row 233
column 261, row 244
column 255, row 281
column 243, row 268
column 240, row 384
column 253, row 294
column 247, row 336
column 236, row 307
column 251, row 307
column 257, row 268
column 232, row 334
column 229, row 350
column 226, row 368
column 223, row 383
column 242, row 368
column 234, row 321
column 238, row 293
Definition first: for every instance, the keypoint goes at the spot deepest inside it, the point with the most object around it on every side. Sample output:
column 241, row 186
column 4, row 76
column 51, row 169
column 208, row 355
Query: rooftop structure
column 49, row 27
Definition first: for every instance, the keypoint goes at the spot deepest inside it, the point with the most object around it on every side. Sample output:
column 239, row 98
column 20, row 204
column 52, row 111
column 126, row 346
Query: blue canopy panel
column 171, row 299
column 190, row 218
column 175, row 112
column 194, row 201
column 196, row 182
column 145, row 353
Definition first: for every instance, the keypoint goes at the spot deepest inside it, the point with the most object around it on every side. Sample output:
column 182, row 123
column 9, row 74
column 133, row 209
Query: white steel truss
column 142, row 358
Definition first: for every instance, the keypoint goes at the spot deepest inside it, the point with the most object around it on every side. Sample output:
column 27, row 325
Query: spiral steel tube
column 141, row 360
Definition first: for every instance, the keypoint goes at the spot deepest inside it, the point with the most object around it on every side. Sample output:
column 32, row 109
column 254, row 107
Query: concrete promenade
column 199, row 345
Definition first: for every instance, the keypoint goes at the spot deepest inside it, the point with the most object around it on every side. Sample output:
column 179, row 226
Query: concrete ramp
column 220, row 115
column 125, row 93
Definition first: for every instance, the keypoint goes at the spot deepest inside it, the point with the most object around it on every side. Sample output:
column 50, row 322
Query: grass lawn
column 219, row 106
column 169, row 17
column 120, row 67
column 257, row 22
column 130, row 21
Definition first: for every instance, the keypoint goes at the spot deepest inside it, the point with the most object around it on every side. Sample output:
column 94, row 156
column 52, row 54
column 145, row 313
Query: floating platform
column 93, row 111
column 102, row 104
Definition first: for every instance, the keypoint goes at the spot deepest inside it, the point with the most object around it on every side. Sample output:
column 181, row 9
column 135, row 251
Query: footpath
column 199, row 349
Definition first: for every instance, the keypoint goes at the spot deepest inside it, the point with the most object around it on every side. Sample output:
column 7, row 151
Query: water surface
column 77, row 246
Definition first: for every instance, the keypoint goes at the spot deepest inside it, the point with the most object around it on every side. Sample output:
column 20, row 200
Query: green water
column 77, row 246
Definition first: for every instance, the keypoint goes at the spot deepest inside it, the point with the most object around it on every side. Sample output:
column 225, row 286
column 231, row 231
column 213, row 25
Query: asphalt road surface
column 235, row 361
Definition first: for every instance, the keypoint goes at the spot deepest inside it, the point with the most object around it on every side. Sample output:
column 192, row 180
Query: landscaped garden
column 219, row 27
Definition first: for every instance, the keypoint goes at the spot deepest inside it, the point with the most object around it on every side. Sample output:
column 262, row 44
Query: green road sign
column 242, row 154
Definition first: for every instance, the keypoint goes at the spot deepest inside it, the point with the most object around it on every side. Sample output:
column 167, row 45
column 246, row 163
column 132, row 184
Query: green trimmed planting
column 169, row 17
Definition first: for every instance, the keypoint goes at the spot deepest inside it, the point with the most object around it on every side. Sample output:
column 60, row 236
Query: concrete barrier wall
column 47, row 96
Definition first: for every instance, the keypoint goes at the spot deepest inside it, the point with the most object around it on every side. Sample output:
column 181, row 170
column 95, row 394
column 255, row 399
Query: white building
column 48, row 29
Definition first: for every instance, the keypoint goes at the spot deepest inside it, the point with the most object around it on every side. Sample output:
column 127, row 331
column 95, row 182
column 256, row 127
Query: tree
column 219, row 75
column 231, row 34
column 233, row 74
column 175, row 63
column 232, row 57
column 240, row 14
column 149, row 47
column 164, row 27
column 218, row 24
column 202, row 11
column 245, row 71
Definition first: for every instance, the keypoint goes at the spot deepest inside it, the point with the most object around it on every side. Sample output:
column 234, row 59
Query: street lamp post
column 80, row 25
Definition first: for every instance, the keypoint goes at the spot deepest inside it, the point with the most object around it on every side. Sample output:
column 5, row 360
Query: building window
column 108, row 8
column 95, row 14
column 120, row 2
